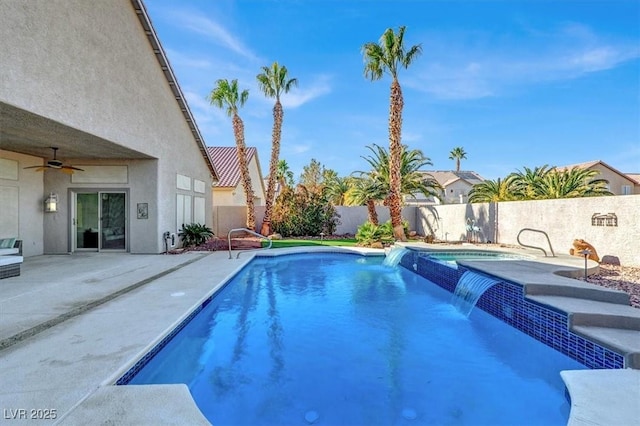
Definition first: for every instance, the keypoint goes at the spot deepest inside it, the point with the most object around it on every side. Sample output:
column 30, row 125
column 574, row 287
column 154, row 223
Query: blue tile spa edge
column 505, row 301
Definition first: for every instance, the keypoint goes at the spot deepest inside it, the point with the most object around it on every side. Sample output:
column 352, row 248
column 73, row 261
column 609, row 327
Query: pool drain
column 311, row 416
column 409, row 414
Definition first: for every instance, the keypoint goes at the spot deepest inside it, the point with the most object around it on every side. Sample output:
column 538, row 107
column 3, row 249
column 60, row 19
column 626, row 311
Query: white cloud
column 320, row 86
column 456, row 71
column 213, row 31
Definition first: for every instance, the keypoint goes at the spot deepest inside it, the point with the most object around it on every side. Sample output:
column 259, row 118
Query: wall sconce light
column 51, row 203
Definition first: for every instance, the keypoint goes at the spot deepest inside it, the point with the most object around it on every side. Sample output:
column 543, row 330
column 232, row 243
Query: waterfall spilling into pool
column 394, row 256
column 471, row 286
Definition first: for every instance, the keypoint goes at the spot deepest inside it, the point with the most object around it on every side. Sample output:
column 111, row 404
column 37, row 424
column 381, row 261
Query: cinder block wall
column 562, row 220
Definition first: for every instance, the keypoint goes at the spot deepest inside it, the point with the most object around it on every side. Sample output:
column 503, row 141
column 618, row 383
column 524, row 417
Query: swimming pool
column 347, row 340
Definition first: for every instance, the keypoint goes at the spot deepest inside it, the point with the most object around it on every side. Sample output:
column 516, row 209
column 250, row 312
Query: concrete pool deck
column 71, row 325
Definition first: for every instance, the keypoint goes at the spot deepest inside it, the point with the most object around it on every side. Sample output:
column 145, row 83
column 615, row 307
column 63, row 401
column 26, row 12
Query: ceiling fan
column 55, row 164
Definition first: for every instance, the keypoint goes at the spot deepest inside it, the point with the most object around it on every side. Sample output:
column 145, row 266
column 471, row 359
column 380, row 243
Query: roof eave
column 152, row 36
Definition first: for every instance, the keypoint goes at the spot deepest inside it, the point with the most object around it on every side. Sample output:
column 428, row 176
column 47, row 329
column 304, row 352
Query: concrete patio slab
column 69, row 367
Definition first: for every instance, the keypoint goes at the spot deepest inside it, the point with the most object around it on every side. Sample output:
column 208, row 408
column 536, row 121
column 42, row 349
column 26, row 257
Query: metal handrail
column 250, row 232
column 534, row 247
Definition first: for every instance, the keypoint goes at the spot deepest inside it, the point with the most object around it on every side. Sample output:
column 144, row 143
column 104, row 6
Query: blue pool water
column 339, row 339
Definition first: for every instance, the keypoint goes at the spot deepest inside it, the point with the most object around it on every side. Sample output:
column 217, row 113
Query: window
column 626, row 190
column 183, row 211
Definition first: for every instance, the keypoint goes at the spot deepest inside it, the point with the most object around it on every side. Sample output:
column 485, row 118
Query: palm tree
column 492, row 191
column 336, row 189
column 388, row 56
column 412, row 180
column 226, row 95
column 273, row 82
column 573, row 183
column 368, row 191
column 527, row 183
column 457, row 154
column 284, row 175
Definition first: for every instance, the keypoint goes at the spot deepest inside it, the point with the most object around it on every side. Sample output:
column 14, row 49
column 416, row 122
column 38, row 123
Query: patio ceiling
column 27, row 133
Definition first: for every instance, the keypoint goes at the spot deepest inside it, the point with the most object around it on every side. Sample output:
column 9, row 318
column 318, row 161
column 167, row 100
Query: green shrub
column 368, row 233
column 195, row 234
column 303, row 213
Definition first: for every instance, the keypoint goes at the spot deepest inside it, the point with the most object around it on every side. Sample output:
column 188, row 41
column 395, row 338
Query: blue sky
column 515, row 83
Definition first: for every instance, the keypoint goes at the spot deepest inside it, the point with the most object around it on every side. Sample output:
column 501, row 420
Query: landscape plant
column 457, row 154
column 274, row 81
column 226, row 95
column 195, row 234
column 300, row 212
column 389, row 55
column 369, row 234
column 541, row 183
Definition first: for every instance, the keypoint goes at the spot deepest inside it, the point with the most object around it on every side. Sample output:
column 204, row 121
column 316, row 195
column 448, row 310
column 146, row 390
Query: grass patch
column 345, row 242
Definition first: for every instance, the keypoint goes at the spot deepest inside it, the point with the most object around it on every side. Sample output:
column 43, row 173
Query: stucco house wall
column 89, row 66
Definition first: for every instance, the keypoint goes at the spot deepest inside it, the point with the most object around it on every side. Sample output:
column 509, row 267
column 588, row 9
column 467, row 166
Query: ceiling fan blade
column 34, row 167
column 67, row 170
column 72, row 168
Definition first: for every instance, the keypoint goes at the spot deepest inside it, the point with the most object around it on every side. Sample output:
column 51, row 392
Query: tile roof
column 594, row 163
column 225, row 161
column 634, row 176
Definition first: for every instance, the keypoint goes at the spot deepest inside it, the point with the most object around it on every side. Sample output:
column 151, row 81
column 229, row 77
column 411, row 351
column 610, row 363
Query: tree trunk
column 396, row 104
column 273, row 167
column 238, row 132
column 373, row 214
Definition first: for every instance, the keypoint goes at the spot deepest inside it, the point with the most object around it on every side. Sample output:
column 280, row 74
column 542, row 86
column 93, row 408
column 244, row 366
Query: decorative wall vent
column 609, row 219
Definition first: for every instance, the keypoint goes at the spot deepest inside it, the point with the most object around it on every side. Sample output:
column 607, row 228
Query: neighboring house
column 92, row 79
column 228, row 191
column 635, row 177
column 456, row 187
column 619, row 183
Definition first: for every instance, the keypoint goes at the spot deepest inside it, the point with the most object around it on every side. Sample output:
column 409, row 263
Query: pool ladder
column 249, row 232
column 535, row 247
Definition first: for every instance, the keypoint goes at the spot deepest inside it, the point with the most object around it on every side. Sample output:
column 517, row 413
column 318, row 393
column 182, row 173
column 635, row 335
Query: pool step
column 612, row 325
column 577, row 289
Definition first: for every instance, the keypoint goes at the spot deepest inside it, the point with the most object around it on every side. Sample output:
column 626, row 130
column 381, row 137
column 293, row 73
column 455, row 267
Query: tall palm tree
column 457, row 154
column 388, row 56
column 273, row 81
column 226, row 95
column 491, row 191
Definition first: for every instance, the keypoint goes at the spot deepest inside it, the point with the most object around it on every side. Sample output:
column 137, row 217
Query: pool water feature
column 471, row 286
column 394, row 256
column 350, row 341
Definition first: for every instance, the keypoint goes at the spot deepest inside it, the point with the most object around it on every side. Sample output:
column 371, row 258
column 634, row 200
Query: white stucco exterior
column 84, row 76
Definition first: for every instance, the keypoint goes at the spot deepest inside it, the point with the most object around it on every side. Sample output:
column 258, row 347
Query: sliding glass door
column 99, row 221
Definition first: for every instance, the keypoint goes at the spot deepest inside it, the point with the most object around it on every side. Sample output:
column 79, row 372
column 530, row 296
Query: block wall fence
column 610, row 224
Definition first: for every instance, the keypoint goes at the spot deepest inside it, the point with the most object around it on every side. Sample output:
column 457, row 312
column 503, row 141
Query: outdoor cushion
column 10, row 260
column 7, row 242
